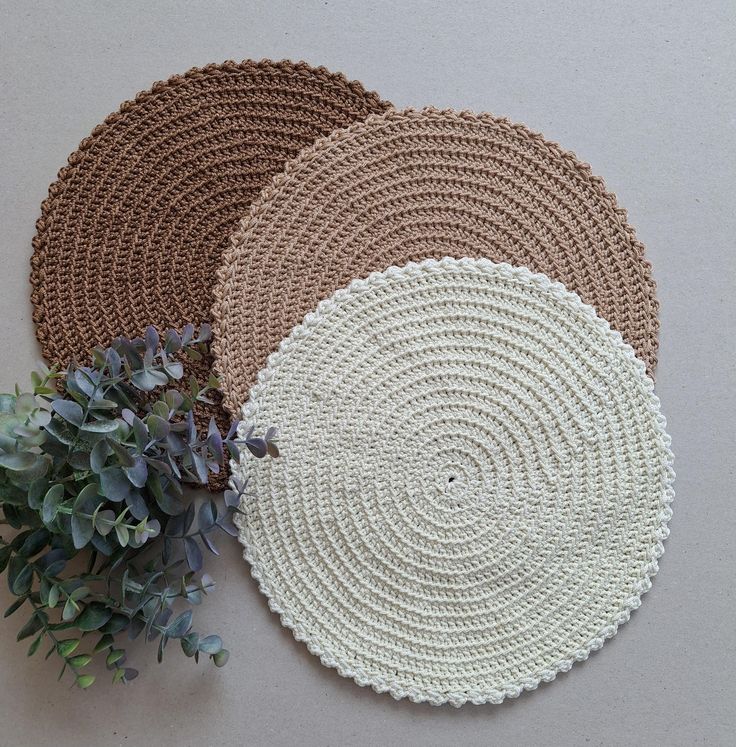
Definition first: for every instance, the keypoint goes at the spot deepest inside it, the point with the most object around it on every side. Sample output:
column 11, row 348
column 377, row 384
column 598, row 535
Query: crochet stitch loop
column 416, row 184
column 133, row 229
column 475, row 481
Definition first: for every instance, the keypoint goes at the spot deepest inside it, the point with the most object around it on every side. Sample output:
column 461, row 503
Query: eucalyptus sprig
column 93, row 465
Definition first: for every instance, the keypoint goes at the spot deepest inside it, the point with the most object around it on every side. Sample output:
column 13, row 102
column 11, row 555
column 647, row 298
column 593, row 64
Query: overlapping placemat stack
column 453, row 326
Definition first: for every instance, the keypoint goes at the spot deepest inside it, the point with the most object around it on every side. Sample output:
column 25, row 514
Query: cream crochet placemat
column 474, row 485
column 408, row 185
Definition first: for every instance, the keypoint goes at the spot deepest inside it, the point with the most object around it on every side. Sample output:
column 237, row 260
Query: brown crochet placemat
column 410, row 185
column 133, row 229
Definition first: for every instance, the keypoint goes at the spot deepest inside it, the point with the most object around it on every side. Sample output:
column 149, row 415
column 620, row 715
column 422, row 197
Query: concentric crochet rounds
column 133, row 230
column 474, row 484
column 406, row 186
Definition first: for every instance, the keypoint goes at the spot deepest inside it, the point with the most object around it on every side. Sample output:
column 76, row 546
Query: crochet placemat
column 409, row 185
column 474, row 485
column 133, row 229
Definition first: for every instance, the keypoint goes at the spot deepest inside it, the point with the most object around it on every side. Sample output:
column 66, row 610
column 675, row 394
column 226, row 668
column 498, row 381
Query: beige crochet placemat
column 474, row 487
column 133, row 230
column 409, row 185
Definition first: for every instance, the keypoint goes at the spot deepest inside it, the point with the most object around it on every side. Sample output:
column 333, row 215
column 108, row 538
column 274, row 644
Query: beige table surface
column 643, row 91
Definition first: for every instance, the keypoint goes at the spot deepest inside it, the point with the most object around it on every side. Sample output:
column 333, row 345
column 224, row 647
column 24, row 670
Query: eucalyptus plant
column 93, row 467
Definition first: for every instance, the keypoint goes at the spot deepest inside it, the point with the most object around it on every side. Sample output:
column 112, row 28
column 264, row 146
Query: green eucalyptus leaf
column 93, row 616
column 34, row 543
column 53, row 562
column 53, row 600
column 173, row 399
column 17, row 604
column 70, row 610
column 12, row 494
column 82, row 531
column 122, row 533
column 80, row 461
column 166, row 502
column 44, row 589
column 210, row 645
column 70, row 411
column 85, row 681
column 20, row 538
column 180, row 626
column 158, row 427
column 29, row 436
column 103, row 545
column 20, row 576
column 137, row 505
column 67, row 625
column 221, row 657
column 101, row 426
column 39, row 468
column 161, row 409
column 34, row 646
column 40, row 418
column 79, row 661
column 51, row 502
column 60, row 430
column 80, row 592
column 190, row 644
column 25, row 404
column 117, row 623
column 114, row 656
column 105, row 642
column 84, row 379
column 138, row 472
column 193, row 554
column 105, row 521
column 45, row 391
column 86, row 497
column 207, row 516
column 67, row 647
column 122, row 453
column 5, row 553
column 115, row 485
column 34, row 624
column 98, row 456
column 174, row 369
column 36, row 492
column 18, row 460
column 100, row 403
column 148, row 379
column 16, row 516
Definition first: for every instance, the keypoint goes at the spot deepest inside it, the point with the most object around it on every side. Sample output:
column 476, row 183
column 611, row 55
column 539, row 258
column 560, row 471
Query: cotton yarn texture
column 133, row 229
column 409, row 185
column 474, row 485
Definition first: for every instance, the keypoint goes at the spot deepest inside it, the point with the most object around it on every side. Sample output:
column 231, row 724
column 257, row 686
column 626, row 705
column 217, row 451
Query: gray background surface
column 644, row 92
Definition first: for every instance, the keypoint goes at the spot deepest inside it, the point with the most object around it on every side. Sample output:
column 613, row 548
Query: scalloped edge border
column 56, row 189
column 509, row 690
column 224, row 288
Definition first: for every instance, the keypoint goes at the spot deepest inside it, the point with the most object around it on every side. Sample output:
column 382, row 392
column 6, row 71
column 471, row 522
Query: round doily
column 409, row 185
column 474, row 484
column 133, row 229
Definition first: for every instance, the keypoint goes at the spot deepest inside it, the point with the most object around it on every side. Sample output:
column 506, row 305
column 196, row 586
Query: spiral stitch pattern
column 133, row 230
column 410, row 185
column 474, row 487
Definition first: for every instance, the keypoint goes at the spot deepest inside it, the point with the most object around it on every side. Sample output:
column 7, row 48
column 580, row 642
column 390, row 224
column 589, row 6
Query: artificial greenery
column 93, row 464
